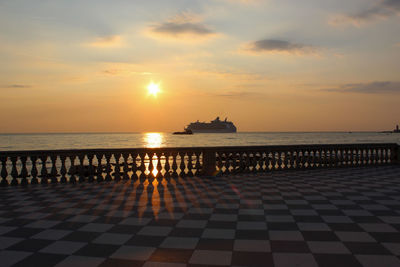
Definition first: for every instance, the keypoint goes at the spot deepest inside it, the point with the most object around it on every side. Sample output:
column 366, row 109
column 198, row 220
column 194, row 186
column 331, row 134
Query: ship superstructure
column 215, row 126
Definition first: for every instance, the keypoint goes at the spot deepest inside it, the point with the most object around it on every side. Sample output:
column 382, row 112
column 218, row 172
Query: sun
column 153, row 88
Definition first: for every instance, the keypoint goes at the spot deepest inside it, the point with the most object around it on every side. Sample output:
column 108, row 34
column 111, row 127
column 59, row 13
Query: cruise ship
column 215, row 126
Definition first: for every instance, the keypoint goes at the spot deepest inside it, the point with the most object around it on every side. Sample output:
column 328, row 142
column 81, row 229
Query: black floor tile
column 121, row 263
column 23, row 232
column 124, row 229
column 366, row 248
column 41, row 260
column 171, row 255
column 146, row 241
column 221, row 224
column 215, row 244
column 252, row 234
column 289, row 246
column 251, row 259
column 80, row 236
column 335, row 260
column 31, row 245
column 284, row 226
column 97, row 250
column 186, row 232
column 319, row 236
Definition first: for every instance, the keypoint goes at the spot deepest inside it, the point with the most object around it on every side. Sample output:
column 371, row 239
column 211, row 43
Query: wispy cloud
column 237, row 94
column 106, row 41
column 381, row 10
column 275, row 46
column 17, row 86
column 182, row 27
column 118, row 72
column 384, row 87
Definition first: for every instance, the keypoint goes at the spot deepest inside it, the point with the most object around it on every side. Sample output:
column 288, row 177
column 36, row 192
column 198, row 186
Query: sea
column 53, row 141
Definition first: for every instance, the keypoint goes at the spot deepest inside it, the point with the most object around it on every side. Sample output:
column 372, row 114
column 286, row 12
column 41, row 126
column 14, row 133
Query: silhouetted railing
column 71, row 166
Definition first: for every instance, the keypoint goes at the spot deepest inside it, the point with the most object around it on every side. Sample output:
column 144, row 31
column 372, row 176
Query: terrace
column 326, row 205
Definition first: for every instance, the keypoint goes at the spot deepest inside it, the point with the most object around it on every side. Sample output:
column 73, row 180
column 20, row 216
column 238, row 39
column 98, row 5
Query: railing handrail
column 9, row 153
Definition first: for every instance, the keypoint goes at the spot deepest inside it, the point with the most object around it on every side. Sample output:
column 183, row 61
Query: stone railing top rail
column 183, row 149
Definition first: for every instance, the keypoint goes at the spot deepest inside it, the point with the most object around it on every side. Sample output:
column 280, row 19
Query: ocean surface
column 138, row 140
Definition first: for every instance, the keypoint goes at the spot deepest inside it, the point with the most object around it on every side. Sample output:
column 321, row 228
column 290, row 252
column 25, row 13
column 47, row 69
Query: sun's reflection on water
column 152, row 140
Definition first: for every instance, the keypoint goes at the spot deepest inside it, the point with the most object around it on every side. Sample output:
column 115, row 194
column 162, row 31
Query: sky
column 273, row 65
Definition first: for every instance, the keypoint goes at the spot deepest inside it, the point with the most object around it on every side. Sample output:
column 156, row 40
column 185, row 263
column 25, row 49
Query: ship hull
column 213, row 130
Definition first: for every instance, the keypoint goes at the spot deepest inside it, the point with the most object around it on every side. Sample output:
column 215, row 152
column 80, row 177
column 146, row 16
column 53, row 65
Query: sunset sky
column 287, row 65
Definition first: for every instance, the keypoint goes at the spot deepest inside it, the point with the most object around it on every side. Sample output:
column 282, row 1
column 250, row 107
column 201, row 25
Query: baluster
column 378, row 156
column 151, row 165
column 34, row 171
column 254, row 162
column 344, row 157
column 159, row 168
column 54, row 171
column 99, row 174
column 142, row 167
column 24, row 171
column 268, row 158
column 81, row 168
column 384, row 155
column 273, row 160
column 291, row 159
column 297, row 159
column 63, row 169
column 91, row 169
column 174, row 164
column 350, row 157
column 219, row 161
column 228, row 163
column 4, row 172
column 311, row 158
column 280, row 160
column 72, row 169
column 334, row 157
column 125, row 168
column 190, row 164
column 362, row 156
column 117, row 167
column 234, row 162
column 247, row 162
column 14, row 172
column 134, row 175
column 198, row 165
column 285, row 160
column 182, row 165
column 43, row 171
column 340, row 157
column 108, row 177
column 368, row 157
column 167, row 167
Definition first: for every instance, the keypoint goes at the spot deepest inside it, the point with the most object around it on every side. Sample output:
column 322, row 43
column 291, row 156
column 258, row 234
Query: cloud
column 381, row 10
column 107, row 41
column 119, row 72
column 237, row 94
column 17, row 86
column 182, row 25
column 275, row 46
column 384, row 87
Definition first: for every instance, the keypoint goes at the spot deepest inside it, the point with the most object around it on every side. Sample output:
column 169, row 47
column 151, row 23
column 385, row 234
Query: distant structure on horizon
column 215, row 126
column 397, row 130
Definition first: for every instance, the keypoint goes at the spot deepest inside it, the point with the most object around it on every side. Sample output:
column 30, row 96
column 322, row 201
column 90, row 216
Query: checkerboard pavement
column 326, row 217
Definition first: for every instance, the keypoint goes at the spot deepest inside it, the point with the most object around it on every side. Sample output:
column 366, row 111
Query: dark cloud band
column 368, row 88
column 274, row 45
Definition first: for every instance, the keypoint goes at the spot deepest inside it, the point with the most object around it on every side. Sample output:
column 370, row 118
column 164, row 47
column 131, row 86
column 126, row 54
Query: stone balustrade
column 97, row 165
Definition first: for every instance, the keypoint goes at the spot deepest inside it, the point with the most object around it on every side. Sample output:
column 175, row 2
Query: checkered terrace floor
column 329, row 217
